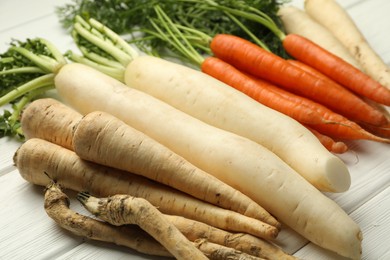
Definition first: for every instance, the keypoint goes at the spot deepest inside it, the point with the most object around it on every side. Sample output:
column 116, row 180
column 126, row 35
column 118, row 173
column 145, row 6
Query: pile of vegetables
column 354, row 110
column 197, row 139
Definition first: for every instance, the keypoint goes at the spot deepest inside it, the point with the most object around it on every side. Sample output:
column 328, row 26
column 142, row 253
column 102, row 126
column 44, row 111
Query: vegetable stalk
column 27, row 70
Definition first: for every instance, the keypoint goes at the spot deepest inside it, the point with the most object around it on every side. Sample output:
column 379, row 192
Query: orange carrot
column 341, row 128
column 265, row 93
column 326, row 121
column 333, row 124
column 336, row 68
column 259, row 90
column 382, row 131
column 251, row 58
column 309, row 69
column 329, row 143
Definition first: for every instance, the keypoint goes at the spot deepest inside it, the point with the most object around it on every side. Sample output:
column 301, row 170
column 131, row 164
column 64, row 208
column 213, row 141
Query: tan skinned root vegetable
column 131, row 236
column 236, row 160
column 124, row 209
column 192, row 229
column 246, row 243
column 215, row 103
column 57, row 208
column 135, row 152
column 213, row 251
column 51, row 120
column 36, row 157
column 121, row 210
column 299, row 22
column 331, row 15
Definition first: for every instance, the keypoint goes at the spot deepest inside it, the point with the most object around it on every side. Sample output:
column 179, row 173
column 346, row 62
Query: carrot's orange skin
column 299, row 108
column 329, row 143
column 338, row 127
column 252, row 59
column 259, row 90
column 336, row 68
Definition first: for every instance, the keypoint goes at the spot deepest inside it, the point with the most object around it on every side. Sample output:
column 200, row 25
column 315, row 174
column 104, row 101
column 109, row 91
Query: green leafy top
column 27, row 70
column 209, row 16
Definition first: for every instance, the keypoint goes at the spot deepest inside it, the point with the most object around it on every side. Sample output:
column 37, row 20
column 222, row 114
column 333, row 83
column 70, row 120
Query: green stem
column 46, row 65
column 34, row 84
column 100, row 59
column 173, row 31
column 115, row 38
column 117, row 73
column 11, row 125
column 116, row 53
column 58, row 56
column 253, row 37
column 22, row 70
column 105, row 39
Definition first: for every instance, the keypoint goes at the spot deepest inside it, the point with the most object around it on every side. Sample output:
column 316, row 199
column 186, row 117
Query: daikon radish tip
column 338, row 175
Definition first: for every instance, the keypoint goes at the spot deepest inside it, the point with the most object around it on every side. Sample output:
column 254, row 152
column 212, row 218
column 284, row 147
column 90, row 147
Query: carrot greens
column 249, row 19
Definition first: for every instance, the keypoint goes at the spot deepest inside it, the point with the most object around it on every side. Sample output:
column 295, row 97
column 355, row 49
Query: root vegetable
column 215, row 251
column 37, row 156
column 51, row 120
column 134, row 152
column 297, row 21
column 227, row 112
column 215, row 103
column 338, row 70
column 131, row 236
column 121, row 210
column 259, row 90
column 329, row 143
column 257, row 62
column 162, row 122
column 331, row 15
column 238, row 161
column 57, row 208
column 245, row 243
column 342, row 128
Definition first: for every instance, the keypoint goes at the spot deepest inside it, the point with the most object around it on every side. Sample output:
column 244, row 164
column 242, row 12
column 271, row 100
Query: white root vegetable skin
column 236, row 160
column 217, row 104
column 297, row 21
column 331, row 15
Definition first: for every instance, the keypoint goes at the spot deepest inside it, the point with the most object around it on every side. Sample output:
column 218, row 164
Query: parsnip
column 51, row 120
column 123, row 209
column 195, row 230
column 236, row 160
column 134, row 152
column 331, row 15
column 104, row 139
column 213, row 251
column 57, row 208
column 40, row 161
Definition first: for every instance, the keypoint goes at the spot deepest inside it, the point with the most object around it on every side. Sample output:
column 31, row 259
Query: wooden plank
column 27, row 232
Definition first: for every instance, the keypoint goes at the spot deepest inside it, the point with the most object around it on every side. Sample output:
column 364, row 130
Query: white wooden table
column 26, row 232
